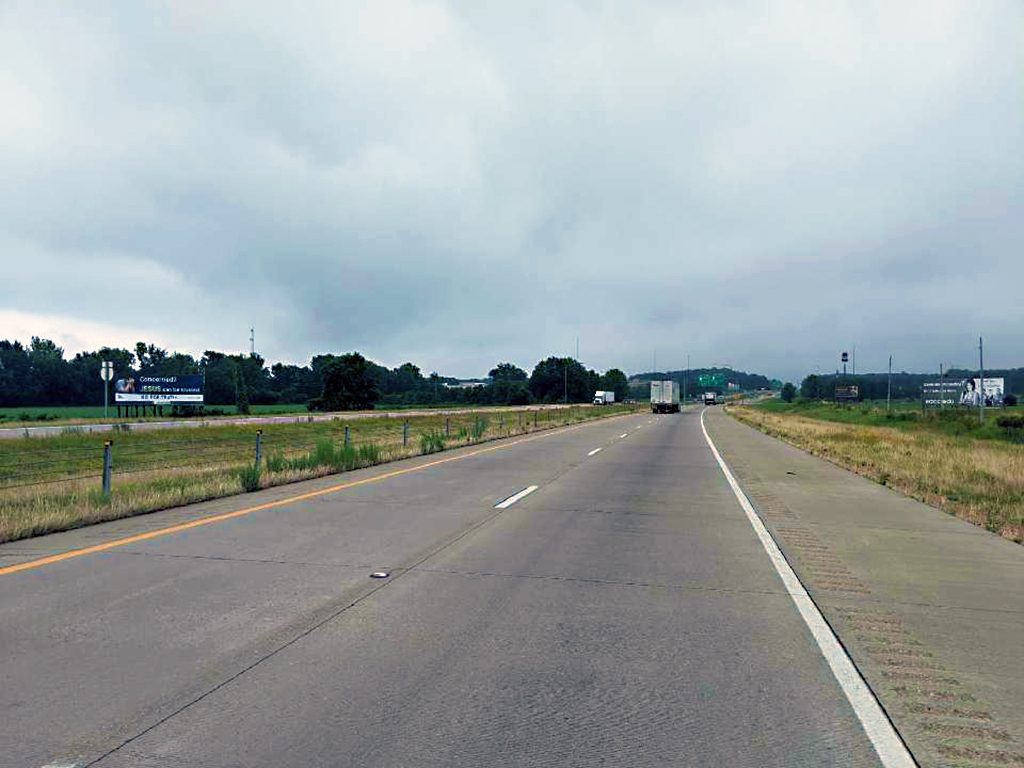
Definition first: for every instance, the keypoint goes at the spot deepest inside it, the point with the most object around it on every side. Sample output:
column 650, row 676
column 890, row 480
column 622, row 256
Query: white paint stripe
column 62, row 765
column 593, row 452
column 623, row 434
column 513, row 499
column 890, row 748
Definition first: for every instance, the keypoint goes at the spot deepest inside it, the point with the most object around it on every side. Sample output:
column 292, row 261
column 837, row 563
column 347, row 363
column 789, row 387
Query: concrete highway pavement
column 623, row 613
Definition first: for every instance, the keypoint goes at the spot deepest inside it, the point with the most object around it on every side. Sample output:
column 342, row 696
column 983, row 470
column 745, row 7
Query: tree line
column 39, row 375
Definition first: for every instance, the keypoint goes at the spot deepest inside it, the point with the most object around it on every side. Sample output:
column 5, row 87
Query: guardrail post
column 346, row 435
column 108, row 465
column 259, row 446
column 405, row 433
column 520, row 419
column 501, row 423
column 535, row 418
column 447, row 428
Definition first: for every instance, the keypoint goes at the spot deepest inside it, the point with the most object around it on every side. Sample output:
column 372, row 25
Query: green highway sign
column 711, row 380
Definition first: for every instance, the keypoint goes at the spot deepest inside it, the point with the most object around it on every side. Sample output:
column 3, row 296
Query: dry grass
column 981, row 481
column 207, row 463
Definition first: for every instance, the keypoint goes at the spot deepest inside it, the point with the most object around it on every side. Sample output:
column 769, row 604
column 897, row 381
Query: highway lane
column 624, row 613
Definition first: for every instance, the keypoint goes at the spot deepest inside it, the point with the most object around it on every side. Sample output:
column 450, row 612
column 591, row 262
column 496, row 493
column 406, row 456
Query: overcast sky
column 462, row 183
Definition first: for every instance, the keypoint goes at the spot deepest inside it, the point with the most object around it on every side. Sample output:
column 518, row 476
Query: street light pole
column 686, row 375
column 981, row 400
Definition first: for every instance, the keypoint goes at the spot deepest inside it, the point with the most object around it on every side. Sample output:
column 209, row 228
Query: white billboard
column 972, row 391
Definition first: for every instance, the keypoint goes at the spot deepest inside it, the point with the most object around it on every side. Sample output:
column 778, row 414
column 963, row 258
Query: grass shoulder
column 975, row 472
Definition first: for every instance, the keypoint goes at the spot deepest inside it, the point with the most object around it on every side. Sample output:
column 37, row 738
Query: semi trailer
column 602, row 397
column 664, row 397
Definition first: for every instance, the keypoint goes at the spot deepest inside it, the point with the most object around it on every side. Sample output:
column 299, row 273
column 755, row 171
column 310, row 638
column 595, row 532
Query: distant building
column 468, row 384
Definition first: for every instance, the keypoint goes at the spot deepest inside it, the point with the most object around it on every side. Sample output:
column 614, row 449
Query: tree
column 349, row 384
column 553, row 378
column 788, row 392
column 241, row 391
column 615, row 381
column 507, row 372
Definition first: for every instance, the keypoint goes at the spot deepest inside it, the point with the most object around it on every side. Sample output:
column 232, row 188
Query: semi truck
column 710, row 398
column 602, row 397
column 664, row 397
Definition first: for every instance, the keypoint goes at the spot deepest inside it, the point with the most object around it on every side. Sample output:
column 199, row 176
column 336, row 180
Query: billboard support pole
column 981, row 400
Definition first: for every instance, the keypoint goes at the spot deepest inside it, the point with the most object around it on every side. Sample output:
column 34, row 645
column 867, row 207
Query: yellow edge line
column 240, row 512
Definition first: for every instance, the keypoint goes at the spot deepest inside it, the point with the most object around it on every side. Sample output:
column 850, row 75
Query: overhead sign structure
column 160, row 390
column 711, row 380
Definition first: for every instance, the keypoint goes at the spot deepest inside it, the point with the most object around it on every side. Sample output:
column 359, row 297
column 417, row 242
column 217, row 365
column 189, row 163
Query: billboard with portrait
column 972, row 391
column 159, row 390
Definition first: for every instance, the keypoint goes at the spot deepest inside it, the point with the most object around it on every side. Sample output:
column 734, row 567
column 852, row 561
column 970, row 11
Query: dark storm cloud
column 455, row 184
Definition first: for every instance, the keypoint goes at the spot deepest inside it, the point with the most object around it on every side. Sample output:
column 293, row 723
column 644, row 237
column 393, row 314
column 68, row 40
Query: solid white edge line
column 513, row 499
column 623, row 434
column 890, row 748
column 593, row 452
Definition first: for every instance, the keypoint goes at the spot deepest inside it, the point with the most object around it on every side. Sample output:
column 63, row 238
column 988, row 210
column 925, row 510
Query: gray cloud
column 456, row 184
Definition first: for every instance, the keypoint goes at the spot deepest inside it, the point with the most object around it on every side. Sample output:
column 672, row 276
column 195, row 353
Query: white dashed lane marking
column 513, row 499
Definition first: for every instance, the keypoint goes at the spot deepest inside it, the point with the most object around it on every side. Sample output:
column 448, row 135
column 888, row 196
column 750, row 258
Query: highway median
column 57, row 483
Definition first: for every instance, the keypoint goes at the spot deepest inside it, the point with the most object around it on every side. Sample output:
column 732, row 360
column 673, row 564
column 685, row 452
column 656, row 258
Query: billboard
column 971, row 392
column 160, row 390
column 942, row 393
column 962, row 392
column 848, row 393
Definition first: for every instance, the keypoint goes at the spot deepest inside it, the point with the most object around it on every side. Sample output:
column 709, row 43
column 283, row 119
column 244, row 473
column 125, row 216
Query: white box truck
column 664, row 397
column 710, row 398
column 602, row 397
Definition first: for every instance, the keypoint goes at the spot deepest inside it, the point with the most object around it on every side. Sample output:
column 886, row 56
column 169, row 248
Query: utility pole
column 577, row 347
column 981, row 400
column 888, row 386
column 252, row 342
column 942, row 389
column 686, row 375
column 566, row 369
column 854, row 359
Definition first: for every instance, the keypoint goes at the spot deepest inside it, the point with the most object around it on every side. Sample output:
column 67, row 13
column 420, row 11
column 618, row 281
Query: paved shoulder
column 930, row 607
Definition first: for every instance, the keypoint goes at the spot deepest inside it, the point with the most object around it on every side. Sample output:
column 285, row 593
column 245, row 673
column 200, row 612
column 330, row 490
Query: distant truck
column 603, row 398
column 664, row 397
column 710, row 398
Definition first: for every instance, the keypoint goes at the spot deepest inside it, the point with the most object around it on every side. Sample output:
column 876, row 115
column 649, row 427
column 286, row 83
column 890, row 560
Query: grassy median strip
column 975, row 474
column 50, row 484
